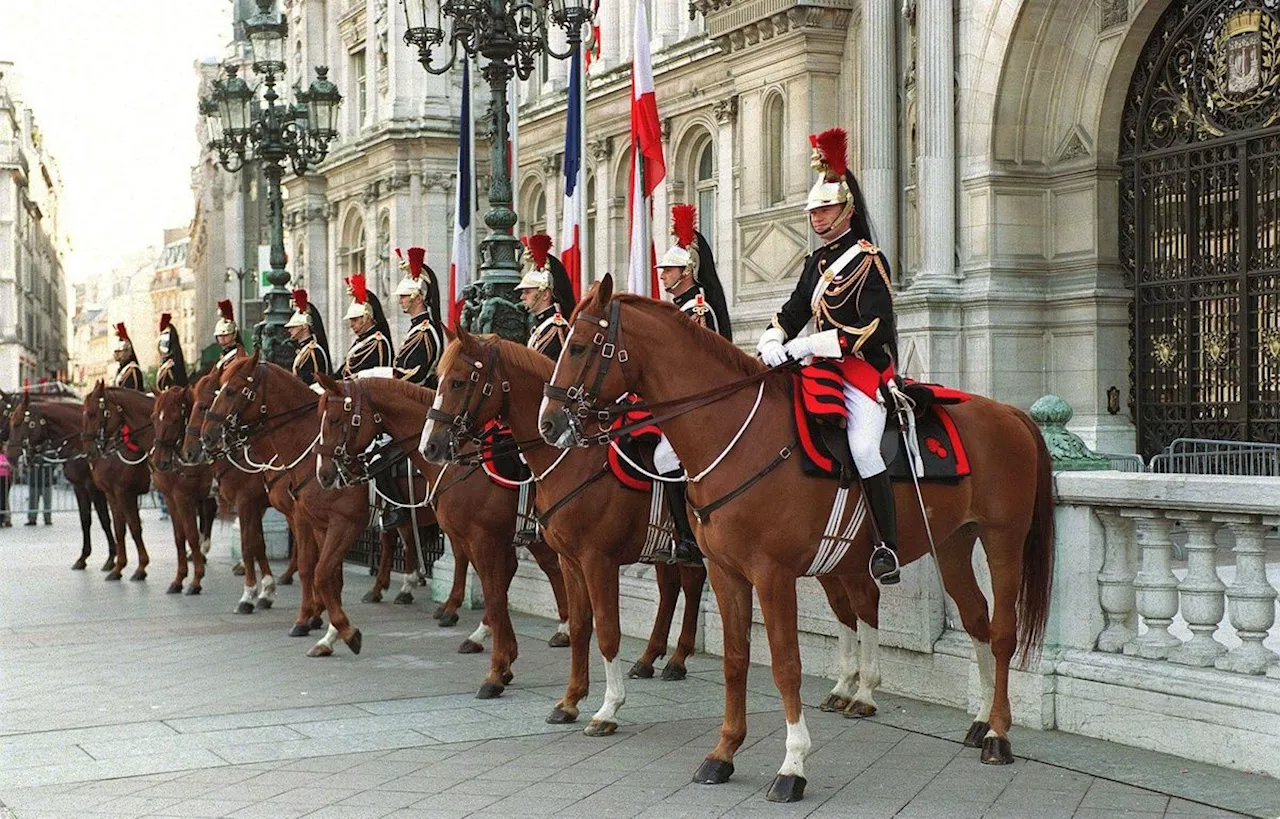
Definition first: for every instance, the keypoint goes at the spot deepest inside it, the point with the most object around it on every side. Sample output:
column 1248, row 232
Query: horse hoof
column 355, row 641
column 449, row 619
column 174, row 588
column 298, row 630
column 559, row 716
column 600, row 728
column 559, row 640
column 786, row 789
column 371, row 596
column 114, row 575
column 79, row 565
column 977, row 733
column 264, row 603
column 403, row 599
column 138, row 575
column 287, row 580
column 835, row 702
column 470, row 646
column 674, row 673
column 641, row 671
column 490, row 691
column 192, row 591
column 238, row 570
column 859, row 710
column 245, row 607
column 438, row 613
column 319, row 650
column 713, row 772
column 997, row 751
column 315, row 622
column 109, row 565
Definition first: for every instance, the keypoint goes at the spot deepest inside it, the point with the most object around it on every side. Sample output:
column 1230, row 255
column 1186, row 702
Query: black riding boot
column 392, row 515
column 884, row 558
column 684, row 549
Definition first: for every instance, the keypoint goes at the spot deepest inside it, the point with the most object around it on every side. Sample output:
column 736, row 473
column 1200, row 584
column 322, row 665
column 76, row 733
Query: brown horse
column 478, row 516
column 483, row 379
column 118, row 458
column 242, row 491
column 47, row 431
column 185, row 486
column 760, row 519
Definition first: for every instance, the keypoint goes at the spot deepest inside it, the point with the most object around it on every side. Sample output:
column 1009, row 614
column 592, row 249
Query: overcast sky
column 113, row 87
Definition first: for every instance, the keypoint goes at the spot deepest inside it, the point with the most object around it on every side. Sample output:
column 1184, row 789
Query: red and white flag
column 460, row 268
column 572, row 251
column 648, row 167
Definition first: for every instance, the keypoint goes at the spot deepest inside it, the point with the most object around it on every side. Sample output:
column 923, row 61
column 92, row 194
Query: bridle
column 465, row 426
column 352, row 466
column 238, row 430
column 173, row 448
column 107, row 441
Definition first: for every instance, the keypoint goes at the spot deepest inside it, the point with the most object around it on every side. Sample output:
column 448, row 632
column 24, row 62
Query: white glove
column 800, row 348
column 770, row 347
column 377, row 372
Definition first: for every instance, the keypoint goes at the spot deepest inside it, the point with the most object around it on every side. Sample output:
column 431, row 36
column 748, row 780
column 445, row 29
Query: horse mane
column 404, row 389
column 524, row 358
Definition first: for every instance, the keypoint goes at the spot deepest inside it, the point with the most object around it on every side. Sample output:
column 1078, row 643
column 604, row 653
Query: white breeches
column 865, row 429
column 664, row 458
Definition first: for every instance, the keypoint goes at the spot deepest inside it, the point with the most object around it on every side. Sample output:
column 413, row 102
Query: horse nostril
column 548, row 429
column 431, row 451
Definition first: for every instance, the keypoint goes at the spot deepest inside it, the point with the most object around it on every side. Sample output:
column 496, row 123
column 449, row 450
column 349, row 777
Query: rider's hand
column 800, row 348
column 773, row 354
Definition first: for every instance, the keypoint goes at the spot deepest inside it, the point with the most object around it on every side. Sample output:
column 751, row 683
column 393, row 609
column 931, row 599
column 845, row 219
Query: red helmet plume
column 226, row 310
column 417, row 255
column 683, row 221
column 358, row 289
column 300, row 300
column 539, row 249
column 165, row 320
column 121, row 333
column 830, row 152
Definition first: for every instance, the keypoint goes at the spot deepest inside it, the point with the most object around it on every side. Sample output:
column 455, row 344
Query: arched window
column 351, row 259
column 774, row 131
column 533, row 211
column 705, row 190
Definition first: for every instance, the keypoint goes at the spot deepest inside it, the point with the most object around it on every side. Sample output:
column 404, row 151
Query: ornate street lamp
column 240, row 122
column 510, row 34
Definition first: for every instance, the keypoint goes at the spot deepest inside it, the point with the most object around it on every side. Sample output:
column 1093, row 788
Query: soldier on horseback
column 173, row 367
column 688, row 273
column 306, row 328
column 372, row 344
column 844, row 288
column 227, row 334
column 129, row 375
column 419, row 298
column 547, row 293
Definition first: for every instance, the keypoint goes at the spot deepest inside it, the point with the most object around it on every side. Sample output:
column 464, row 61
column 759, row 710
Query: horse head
column 348, row 425
column 202, row 393
column 100, row 419
column 470, row 394
column 238, row 402
column 21, row 427
column 168, row 423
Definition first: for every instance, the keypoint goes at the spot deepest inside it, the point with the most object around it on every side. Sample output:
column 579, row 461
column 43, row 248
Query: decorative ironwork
column 1200, row 217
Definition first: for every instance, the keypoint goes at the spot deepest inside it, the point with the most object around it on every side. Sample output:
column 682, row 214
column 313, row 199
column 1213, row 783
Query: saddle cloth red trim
column 625, row 475
column 494, row 433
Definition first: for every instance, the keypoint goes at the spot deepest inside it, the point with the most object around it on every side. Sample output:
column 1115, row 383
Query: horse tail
column 1037, row 555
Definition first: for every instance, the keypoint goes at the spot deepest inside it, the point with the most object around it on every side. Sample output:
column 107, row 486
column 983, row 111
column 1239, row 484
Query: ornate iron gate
column 1200, row 224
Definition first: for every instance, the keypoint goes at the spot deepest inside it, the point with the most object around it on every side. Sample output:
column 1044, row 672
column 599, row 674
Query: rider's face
column 672, row 278
column 359, row 324
column 823, row 220
column 225, row 340
column 410, row 304
column 532, row 299
column 298, row 333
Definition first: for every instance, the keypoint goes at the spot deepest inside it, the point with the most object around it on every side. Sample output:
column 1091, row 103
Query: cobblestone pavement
column 117, row 700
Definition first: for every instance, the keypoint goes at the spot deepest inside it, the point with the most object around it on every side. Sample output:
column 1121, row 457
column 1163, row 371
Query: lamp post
column 240, row 121
column 510, row 34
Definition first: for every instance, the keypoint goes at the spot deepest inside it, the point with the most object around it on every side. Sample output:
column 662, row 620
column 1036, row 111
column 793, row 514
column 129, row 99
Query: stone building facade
column 33, row 289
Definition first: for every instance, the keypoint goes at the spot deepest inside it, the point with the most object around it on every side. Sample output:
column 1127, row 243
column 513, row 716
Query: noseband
column 352, row 467
column 464, row 427
column 580, row 403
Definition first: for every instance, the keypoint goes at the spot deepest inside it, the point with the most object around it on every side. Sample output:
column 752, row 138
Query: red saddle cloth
column 818, row 392
column 502, row 462
column 637, row 445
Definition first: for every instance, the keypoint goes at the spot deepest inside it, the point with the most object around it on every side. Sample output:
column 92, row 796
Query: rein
column 115, row 443
column 353, row 467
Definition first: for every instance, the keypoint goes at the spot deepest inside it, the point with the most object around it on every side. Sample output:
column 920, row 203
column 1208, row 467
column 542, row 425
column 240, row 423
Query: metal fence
column 41, row 490
column 364, row 552
column 1201, row 456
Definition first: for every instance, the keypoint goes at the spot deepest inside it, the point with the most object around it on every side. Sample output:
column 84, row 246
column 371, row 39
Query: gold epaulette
column 867, row 247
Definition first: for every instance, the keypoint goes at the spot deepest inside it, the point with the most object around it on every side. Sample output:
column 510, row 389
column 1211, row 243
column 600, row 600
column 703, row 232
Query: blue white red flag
column 648, row 166
column 572, row 251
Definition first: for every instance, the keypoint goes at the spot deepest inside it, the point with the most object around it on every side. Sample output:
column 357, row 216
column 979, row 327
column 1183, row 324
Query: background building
column 33, row 297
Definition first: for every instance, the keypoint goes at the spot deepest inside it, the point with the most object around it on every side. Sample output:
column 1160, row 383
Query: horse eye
column 577, row 349
column 456, row 383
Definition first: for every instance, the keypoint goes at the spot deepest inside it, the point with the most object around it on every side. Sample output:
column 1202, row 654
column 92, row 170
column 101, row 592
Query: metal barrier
column 1199, row 456
column 365, row 550
column 41, row 490
column 1125, row 463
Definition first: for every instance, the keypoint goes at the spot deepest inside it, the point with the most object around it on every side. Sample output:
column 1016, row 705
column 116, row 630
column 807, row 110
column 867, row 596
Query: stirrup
column 884, row 566
column 689, row 555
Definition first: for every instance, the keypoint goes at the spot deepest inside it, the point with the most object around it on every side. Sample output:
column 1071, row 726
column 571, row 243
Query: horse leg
column 602, row 580
column 733, row 594
column 667, row 578
column 447, row 612
column 328, row 579
column 382, row 579
column 180, row 545
column 118, row 524
column 549, row 562
column 864, row 597
column 410, row 581
column 778, row 604
column 307, row 550
column 208, row 511
column 495, row 563
column 135, row 530
column 103, row 507
column 579, row 682
column 84, row 504
column 841, row 696
column 190, row 511
column 251, row 540
column 692, row 581
column 955, row 560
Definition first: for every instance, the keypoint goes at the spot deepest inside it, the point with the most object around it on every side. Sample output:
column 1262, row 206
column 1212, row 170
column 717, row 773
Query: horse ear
column 253, row 359
column 605, row 291
column 467, row 340
column 449, row 334
column 330, row 386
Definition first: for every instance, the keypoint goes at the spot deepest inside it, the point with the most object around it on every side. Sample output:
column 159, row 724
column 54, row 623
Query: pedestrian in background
column 39, row 487
column 6, row 477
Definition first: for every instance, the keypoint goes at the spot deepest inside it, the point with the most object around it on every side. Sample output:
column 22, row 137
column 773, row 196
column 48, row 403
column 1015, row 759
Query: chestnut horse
column 185, row 486
column 239, row 490
column 47, row 432
column 478, row 515
column 760, row 519
column 118, row 459
column 483, row 379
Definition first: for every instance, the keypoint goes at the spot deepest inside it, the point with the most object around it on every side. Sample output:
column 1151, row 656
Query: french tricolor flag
column 461, row 266
column 648, row 167
column 575, row 184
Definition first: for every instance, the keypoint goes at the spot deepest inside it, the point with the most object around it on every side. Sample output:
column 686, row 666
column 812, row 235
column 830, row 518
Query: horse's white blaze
column 798, row 745
column 868, row 664
column 847, row 667
column 542, row 407
column 481, row 634
column 986, row 679
column 615, row 693
column 330, row 637
column 268, row 590
column 430, row 426
column 410, row 582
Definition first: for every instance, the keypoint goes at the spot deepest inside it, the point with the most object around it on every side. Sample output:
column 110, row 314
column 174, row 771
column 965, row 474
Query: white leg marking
column 410, row 583
column 268, row 588
column 250, row 594
column 615, row 693
column 986, row 680
column 205, row 545
column 798, row 745
column 481, row 634
column 563, row 628
column 330, row 637
column 431, row 425
column 847, row 668
column 868, row 664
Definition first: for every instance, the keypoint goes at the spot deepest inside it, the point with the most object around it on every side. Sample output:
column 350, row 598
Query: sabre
column 903, row 407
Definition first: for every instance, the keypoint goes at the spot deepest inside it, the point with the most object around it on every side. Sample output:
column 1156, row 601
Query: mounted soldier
column 306, row 328
column 371, row 346
column 547, row 293
column 688, row 273
column 173, row 367
column 129, row 374
column 423, row 343
column 844, row 289
column 227, row 334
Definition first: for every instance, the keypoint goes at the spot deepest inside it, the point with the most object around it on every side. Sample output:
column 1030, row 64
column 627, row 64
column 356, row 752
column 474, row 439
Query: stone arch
column 531, row 206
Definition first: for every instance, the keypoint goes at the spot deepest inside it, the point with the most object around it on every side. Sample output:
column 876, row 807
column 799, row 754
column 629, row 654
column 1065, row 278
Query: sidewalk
column 119, row 700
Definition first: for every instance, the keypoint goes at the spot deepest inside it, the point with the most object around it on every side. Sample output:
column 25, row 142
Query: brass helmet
column 684, row 253
column 226, row 324
column 300, row 317
column 829, row 159
column 534, row 261
column 122, row 343
column 412, row 284
column 359, row 307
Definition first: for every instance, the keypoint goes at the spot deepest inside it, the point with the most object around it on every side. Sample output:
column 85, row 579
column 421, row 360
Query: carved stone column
column 937, row 162
column 879, row 176
column 726, row 114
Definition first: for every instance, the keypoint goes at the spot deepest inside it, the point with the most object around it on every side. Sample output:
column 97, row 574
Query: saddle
column 634, row 449
column 501, row 459
column 818, row 392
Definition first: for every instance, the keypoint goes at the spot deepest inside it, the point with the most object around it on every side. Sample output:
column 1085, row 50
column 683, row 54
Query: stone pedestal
column 442, row 572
